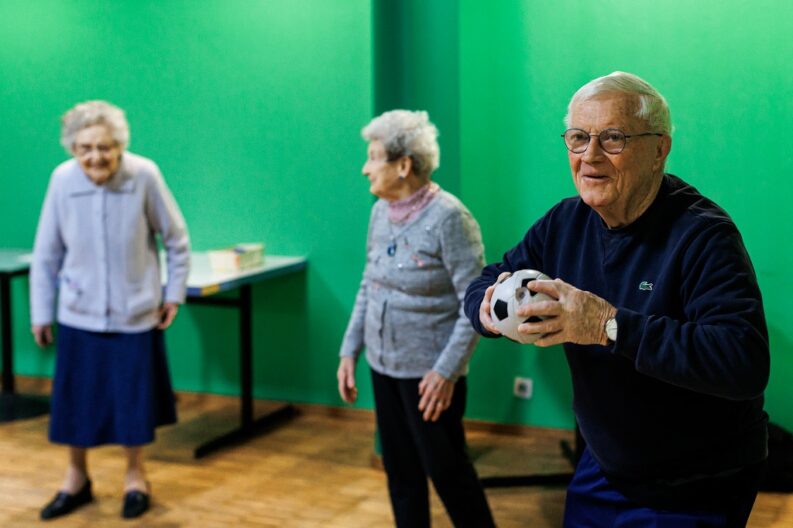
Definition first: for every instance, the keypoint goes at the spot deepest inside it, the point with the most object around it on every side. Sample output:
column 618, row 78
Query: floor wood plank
column 315, row 471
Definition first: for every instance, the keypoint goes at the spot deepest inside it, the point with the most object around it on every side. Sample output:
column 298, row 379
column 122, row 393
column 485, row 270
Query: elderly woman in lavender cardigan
column 96, row 273
column 423, row 250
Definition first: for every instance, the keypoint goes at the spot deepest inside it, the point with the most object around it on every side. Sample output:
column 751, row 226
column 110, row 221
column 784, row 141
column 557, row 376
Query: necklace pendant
column 391, row 249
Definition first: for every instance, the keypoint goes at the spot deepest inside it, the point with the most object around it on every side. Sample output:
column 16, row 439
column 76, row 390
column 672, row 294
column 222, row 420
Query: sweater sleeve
column 166, row 218
column 463, row 257
column 719, row 346
column 49, row 250
column 525, row 255
column 352, row 344
column 353, row 341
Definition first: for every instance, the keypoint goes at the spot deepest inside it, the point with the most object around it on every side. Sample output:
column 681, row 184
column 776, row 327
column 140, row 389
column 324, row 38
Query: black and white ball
column 508, row 297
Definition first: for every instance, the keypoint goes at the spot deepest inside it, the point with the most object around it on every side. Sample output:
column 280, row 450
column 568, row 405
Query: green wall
column 253, row 111
column 416, row 67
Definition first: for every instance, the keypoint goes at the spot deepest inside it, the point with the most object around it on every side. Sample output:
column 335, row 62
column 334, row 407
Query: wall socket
column 523, row 388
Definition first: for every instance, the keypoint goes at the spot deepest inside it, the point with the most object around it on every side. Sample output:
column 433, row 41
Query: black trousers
column 414, row 450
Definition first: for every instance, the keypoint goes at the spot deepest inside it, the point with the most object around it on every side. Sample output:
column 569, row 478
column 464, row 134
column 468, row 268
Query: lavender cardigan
column 95, row 249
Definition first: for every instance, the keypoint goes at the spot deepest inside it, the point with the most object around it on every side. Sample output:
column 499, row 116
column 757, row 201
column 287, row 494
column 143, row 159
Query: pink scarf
column 401, row 211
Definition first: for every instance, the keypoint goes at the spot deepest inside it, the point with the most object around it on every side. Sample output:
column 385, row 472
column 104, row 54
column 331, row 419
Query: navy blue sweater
column 680, row 393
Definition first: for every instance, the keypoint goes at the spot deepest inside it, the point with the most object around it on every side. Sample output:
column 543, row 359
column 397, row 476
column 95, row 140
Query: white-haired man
column 658, row 308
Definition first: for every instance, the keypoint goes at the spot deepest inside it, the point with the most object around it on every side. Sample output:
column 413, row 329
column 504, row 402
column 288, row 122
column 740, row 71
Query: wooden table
column 202, row 285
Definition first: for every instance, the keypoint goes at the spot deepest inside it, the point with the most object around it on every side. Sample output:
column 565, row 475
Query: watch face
column 611, row 329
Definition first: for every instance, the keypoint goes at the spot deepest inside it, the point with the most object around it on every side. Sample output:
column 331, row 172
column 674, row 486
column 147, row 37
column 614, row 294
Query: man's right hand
column 484, row 308
column 42, row 334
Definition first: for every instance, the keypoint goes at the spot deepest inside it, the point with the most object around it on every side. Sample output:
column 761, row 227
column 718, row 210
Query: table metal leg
column 246, row 357
column 8, row 347
column 13, row 406
column 249, row 427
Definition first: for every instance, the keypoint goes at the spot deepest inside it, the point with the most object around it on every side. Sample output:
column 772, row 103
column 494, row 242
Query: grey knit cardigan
column 408, row 313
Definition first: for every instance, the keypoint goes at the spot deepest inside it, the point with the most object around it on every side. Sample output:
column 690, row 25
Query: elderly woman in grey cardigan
column 423, row 250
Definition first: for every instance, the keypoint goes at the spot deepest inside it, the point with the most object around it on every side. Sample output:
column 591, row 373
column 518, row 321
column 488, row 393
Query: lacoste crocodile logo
column 646, row 286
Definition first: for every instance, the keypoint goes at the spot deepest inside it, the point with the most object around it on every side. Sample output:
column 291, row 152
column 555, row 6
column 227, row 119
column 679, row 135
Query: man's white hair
column 652, row 105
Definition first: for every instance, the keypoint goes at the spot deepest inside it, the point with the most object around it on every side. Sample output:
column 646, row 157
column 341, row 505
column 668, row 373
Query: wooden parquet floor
column 314, row 471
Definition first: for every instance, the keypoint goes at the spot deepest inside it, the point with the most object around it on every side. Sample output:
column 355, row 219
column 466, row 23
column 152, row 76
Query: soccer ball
column 508, row 297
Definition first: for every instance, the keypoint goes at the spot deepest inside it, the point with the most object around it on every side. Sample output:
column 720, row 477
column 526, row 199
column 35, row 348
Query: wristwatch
column 611, row 329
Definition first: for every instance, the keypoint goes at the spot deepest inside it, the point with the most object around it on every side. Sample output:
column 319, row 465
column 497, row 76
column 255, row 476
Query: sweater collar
column 121, row 181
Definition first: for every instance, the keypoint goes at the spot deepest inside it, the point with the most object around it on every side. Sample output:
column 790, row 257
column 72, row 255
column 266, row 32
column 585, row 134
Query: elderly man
column 658, row 308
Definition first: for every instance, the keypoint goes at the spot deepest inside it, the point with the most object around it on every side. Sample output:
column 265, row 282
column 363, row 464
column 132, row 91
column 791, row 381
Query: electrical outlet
column 523, row 388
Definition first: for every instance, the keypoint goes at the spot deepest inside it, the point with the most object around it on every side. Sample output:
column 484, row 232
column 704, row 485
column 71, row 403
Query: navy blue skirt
column 110, row 388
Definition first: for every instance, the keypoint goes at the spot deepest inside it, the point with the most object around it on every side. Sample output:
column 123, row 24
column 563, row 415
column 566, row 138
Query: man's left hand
column 576, row 316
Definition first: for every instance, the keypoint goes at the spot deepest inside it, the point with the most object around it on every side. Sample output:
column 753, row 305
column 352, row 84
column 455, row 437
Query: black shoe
column 64, row 503
column 136, row 503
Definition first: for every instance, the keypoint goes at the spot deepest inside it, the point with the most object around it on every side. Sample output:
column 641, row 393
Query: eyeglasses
column 612, row 140
column 388, row 158
column 381, row 160
column 102, row 148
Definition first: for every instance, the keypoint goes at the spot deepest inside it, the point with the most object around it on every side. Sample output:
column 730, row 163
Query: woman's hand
column 42, row 334
column 484, row 308
column 436, row 395
column 167, row 315
column 346, row 376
